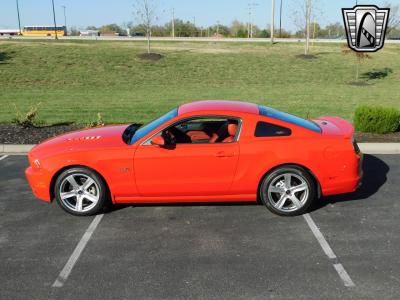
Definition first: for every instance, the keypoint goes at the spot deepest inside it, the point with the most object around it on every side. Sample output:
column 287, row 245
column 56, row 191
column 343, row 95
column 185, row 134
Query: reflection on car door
column 186, row 170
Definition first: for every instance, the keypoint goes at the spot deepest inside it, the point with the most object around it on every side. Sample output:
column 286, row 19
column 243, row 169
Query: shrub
column 98, row 122
column 376, row 119
column 28, row 119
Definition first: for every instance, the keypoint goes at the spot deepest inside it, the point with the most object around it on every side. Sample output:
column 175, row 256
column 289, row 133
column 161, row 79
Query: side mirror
column 158, row 140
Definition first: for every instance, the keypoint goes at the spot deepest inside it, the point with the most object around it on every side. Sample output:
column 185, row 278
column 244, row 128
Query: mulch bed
column 14, row 134
column 150, row 56
column 306, row 56
column 363, row 137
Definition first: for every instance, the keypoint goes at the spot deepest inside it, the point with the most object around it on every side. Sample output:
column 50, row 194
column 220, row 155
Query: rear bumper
column 39, row 183
column 349, row 183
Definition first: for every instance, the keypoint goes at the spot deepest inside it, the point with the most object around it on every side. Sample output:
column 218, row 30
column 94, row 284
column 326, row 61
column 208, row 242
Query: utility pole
column 217, row 29
column 248, row 23
column 280, row 21
column 65, row 19
column 55, row 23
column 194, row 25
column 272, row 20
column 250, row 26
column 19, row 20
column 173, row 22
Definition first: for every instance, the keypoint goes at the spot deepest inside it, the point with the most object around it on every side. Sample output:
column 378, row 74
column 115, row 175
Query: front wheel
column 288, row 191
column 80, row 191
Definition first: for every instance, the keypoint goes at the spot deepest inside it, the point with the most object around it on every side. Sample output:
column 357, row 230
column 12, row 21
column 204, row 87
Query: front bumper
column 39, row 182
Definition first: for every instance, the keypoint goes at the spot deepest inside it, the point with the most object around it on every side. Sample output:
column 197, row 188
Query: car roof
column 224, row 105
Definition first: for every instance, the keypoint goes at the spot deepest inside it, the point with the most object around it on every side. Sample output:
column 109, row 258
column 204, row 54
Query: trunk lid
column 335, row 126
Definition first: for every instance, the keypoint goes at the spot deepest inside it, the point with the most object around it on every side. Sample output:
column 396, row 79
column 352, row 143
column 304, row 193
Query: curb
column 380, row 148
column 367, row 148
column 15, row 149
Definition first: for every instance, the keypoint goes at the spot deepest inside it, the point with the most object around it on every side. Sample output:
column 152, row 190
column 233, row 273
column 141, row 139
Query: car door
column 188, row 169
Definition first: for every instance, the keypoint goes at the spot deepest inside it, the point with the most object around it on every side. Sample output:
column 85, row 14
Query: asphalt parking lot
column 203, row 251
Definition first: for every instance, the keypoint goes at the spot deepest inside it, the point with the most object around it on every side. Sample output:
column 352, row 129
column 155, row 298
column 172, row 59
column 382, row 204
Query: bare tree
column 359, row 56
column 303, row 15
column 146, row 13
column 394, row 17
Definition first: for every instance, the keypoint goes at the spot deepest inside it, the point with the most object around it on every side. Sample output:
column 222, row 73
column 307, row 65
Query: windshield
column 146, row 129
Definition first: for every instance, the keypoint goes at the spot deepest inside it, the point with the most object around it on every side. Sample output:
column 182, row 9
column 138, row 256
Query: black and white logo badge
column 365, row 27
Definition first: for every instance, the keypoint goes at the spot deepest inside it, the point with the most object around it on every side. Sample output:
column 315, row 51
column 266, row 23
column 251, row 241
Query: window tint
column 272, row 113
column 264, row 129
column 204, row 130
column 142, row 131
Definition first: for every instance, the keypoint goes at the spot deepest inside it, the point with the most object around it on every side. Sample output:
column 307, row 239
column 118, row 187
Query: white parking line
column 3, row 157
column 62, row 278
column 328, row 251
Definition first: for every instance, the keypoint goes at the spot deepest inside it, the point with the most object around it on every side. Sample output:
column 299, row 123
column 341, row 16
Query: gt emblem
column 124, row 170
column 365, row 27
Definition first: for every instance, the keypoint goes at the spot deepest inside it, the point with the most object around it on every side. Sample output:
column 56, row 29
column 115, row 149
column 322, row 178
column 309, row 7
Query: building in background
column 89, row 33
column 9, row 32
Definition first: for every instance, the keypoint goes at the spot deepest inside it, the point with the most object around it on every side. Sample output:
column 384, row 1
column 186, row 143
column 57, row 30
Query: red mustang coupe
column 206, row 151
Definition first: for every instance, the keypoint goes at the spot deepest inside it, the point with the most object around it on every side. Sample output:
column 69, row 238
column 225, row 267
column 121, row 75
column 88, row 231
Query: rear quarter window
column 275, row 114
column 264, row 129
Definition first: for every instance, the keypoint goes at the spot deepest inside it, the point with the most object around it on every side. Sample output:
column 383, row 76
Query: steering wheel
column 169, row 137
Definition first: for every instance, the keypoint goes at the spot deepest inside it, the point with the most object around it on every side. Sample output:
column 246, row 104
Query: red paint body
column 200, row 172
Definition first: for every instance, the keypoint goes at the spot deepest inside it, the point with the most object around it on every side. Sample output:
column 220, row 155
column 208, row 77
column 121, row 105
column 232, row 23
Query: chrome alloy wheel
column 79, row 192
column 288, row 192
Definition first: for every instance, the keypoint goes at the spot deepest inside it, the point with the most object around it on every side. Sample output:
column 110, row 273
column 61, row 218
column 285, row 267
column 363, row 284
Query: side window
column 264, row 129
column 204, row 130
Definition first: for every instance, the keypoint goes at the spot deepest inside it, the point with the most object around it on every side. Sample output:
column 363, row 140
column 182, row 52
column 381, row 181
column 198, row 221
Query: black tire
column 270, row 198
column 98, row 190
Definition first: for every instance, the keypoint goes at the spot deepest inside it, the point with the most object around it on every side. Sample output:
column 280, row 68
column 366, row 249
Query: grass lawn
column 74, row 80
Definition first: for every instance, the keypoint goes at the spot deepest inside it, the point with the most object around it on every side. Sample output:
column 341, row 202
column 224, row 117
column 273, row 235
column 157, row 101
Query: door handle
column 224, row 154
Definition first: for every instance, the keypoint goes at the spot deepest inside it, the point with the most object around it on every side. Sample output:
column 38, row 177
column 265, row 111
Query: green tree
column 73, row 31
column 238, row 29
column 315, row 29
column 334, row 30
column 112, row 28
column 182, row 28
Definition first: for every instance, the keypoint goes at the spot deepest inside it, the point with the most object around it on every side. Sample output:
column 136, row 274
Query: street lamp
column 19, row 20
column 65, row 19
column 55, row 23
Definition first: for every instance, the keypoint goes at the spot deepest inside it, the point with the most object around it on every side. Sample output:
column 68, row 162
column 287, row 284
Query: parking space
column 198, row 251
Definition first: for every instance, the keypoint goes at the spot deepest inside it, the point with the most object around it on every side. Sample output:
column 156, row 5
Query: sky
column 82, row 13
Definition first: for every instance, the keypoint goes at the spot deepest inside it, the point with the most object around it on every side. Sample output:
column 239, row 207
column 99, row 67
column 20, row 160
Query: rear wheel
column 288, row 191
column 80, row 191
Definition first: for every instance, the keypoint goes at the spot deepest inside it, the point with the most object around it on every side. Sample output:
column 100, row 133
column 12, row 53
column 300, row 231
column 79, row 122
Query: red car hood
column 99, row 137
column 335, row 126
